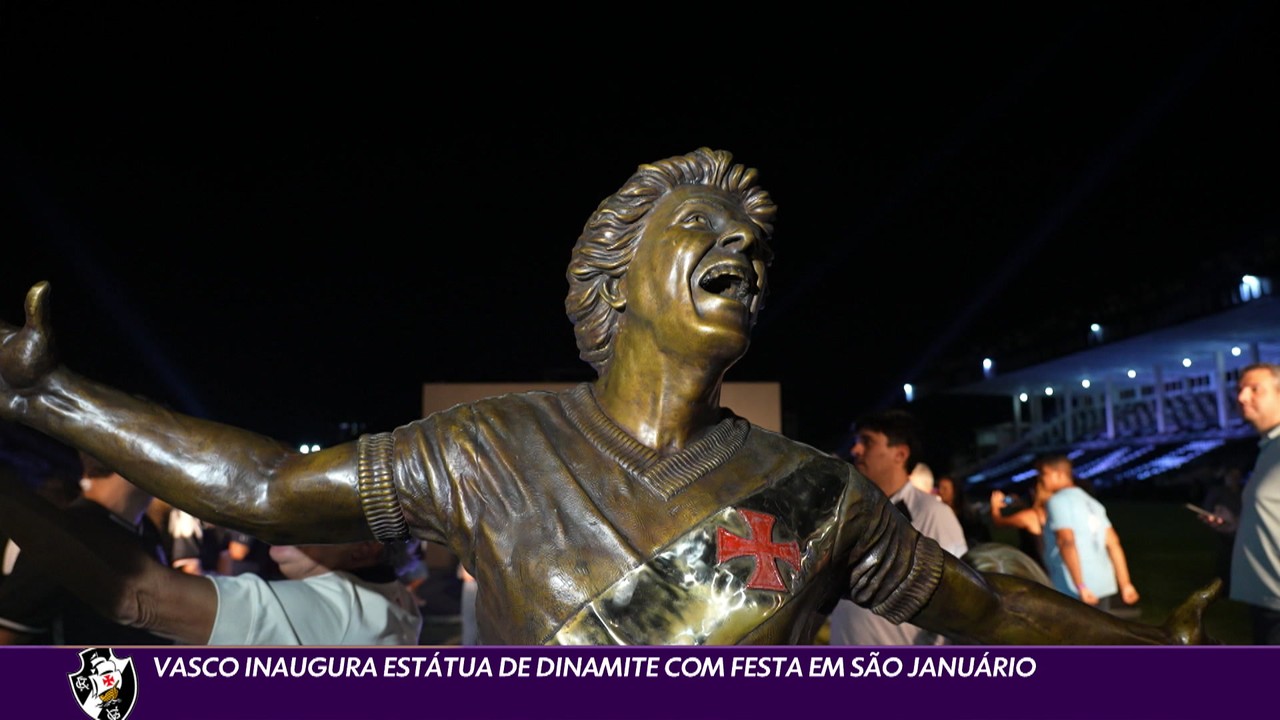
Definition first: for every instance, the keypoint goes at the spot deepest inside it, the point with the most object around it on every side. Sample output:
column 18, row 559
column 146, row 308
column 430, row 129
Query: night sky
column 286, row 219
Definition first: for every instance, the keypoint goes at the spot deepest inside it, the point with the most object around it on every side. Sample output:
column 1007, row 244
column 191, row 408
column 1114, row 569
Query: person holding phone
column 1029, row 521
column 1255, row 577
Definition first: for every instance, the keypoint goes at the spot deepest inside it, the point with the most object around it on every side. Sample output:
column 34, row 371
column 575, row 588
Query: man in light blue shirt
column 1082, row 550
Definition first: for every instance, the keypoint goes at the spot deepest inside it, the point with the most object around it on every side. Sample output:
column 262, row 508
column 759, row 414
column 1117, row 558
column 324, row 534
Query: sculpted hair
column 608, row 241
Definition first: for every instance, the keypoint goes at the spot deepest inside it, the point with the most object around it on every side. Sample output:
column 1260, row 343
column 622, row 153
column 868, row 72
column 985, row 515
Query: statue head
column 608, row 242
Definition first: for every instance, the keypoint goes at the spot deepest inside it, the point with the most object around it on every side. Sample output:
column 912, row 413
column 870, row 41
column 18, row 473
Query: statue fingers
column 29, row 352
column 37, row 305
column 1185, row 625
column 1209, row 593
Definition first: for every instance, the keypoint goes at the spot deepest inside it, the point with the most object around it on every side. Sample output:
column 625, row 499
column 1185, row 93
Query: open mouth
column 730, row 280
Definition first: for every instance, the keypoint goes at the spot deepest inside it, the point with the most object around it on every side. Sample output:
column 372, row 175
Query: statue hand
column 1185, row 625
column 27, row 354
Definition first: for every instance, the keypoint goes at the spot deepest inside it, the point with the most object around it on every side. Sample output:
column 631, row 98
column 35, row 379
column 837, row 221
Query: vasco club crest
column 105, row 685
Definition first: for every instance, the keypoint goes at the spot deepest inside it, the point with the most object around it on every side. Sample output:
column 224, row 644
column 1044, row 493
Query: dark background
column 289, row 216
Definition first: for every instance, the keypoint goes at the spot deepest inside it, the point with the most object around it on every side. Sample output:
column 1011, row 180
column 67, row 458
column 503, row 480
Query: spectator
column 886, row 449
column 1082, row 550
column 36, row 607
column 922, row 477
column 952, row 494
column 183, row 535
column 1255, row 577
column 244, row 553
column 1028, row 521
column 1223, row 503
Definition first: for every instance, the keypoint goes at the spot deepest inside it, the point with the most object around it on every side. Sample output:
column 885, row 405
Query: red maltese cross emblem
column 759, row 545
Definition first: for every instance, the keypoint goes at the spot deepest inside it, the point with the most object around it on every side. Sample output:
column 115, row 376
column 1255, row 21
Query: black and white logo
column 105, row 685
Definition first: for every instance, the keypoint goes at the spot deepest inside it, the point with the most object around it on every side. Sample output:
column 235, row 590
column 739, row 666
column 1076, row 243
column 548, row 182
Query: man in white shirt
column 887, row 448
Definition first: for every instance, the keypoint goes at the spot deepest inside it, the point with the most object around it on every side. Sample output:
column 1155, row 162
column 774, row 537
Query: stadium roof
column 1246, row 326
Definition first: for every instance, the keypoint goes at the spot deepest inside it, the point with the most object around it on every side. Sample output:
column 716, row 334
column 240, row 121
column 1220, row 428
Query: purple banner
column 155, row 683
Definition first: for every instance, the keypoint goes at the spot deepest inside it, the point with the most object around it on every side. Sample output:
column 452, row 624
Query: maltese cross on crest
column 759, row 545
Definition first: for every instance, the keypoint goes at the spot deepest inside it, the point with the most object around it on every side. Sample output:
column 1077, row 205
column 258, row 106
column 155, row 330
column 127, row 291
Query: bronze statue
column 629, row 510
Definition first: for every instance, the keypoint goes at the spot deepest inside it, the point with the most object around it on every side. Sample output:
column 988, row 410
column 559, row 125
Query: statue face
column 698, row 276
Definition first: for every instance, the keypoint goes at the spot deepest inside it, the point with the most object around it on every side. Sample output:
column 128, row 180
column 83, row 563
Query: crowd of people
column 208, row 590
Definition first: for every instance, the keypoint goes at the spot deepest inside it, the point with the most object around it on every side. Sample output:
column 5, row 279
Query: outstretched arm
column 108, row 571
column 1000, row 609
column 222, row 474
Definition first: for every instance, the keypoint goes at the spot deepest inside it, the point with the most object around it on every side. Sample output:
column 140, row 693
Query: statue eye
column 696, row 219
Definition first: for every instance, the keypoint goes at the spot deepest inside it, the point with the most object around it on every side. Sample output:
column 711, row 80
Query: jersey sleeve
column 435, row 472
column 893, row 569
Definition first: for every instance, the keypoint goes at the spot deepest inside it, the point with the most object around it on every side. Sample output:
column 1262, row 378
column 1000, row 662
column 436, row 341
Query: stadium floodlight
column 1250, row 288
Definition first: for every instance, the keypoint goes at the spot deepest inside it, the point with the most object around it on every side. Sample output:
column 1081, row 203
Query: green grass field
column 1171, row 554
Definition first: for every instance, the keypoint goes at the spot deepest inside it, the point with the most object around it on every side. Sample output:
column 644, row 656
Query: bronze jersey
column 576, row 533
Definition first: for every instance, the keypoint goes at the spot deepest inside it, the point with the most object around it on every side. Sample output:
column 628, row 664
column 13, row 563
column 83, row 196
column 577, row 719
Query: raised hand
column 27, row 353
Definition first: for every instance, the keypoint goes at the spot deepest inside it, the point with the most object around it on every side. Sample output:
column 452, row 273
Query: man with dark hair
column 37, row 609
column 886, row 449
column 1082, row 551
column 1255, row 557
column 632, row 509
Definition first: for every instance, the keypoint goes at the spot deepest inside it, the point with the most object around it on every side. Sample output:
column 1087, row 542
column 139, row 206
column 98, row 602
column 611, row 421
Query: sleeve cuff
column 915, row 591
column 377, row 489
